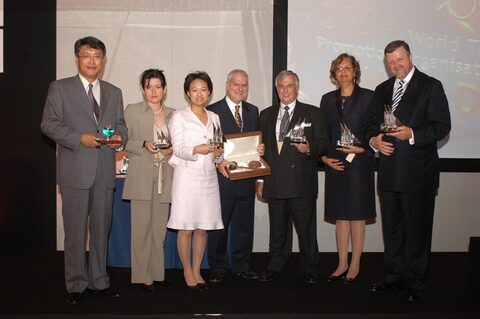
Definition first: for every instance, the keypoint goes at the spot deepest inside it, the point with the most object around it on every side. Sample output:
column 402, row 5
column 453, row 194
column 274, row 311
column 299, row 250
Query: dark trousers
column 303, row 213
column 407, row 220
column 238, row 213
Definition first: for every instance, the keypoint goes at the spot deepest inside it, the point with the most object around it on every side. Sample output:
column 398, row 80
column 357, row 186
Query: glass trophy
column 347, row 138
column 297, row 133
column 218, row 137
column 108, row 131
column 124, row 168
column 390, row 122
column 162, row 142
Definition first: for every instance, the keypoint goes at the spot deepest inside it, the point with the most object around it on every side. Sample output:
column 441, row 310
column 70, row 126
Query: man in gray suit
column 76, row 111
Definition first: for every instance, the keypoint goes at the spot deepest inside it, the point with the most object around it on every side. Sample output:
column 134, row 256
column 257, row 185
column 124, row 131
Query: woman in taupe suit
column 149, row 179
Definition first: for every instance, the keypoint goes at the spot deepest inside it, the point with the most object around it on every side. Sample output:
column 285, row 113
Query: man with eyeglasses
column 77, row 109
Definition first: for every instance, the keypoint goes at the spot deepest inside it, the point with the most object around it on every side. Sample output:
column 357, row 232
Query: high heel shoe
column 350, row 281
column 197, row 287
column 334, row 278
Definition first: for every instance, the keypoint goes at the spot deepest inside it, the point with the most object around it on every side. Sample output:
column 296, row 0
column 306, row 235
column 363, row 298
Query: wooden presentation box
column 242, row 149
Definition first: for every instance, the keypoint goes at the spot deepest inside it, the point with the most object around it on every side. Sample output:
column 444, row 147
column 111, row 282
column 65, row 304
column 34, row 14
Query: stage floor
column 32, row 286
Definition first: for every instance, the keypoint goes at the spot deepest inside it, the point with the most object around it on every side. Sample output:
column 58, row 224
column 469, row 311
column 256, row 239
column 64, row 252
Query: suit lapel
column 228, row 118
column 103, row 100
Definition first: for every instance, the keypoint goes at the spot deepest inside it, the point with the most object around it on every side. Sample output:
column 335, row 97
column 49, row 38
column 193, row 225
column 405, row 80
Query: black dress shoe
column 310, row 278
column 149, row 288
column 384, row 287
column 197, row 287
column 107, row 292
column 248, row 274
column 269, row 275
column 73, row 298
column 162, row 284
column 414, row 295
column 334, row 278
column 216, row 277
column 203, row 286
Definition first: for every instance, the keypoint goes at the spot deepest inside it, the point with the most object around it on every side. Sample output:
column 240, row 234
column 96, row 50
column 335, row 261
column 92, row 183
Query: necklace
column 158, row 112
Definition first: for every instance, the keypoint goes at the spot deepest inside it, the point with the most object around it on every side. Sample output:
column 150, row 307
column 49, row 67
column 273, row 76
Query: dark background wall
column 27, row 160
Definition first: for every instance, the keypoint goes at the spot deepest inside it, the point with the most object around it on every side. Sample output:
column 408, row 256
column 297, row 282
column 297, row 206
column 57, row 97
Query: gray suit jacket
column 141, row 171
column 66, row 116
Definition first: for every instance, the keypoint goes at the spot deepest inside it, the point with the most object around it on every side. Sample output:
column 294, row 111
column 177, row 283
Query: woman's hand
column 333, row 163
column 167, row 151
column 150, row 147
column 351, row 149
column 203, row 149
column 218, row 152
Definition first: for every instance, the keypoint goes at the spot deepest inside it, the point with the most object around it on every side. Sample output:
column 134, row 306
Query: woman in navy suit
column 349, row 169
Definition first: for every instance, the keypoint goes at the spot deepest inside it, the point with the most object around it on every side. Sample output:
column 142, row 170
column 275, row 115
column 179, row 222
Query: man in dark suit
column 408, row 174
column 76, row 111
column 292, row 187
column 237, row 197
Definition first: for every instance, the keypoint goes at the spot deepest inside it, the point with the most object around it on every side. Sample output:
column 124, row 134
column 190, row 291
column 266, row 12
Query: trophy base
column 388, row 129
column 292, row 141
column 162, row 146
column 106, row 142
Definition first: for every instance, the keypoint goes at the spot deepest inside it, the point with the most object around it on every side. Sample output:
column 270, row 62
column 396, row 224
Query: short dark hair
column 92, row 42
column 337, row 61
column 392, row 46
column 202, row 75
column 152, row 74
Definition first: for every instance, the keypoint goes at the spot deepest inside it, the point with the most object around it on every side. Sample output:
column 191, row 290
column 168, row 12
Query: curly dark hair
column 337, row 61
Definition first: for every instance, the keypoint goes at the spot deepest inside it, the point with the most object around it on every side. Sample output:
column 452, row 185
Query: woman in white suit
column 195, row 192
column 148, row 181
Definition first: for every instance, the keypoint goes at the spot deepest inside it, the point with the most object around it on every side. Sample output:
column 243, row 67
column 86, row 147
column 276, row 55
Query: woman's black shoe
column 334, row 278
column 350, row 281
column 150, row 288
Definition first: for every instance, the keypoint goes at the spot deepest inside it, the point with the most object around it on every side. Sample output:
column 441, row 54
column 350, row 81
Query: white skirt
column 195, row 200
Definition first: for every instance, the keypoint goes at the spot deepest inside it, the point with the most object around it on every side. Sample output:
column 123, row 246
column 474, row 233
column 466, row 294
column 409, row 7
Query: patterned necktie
column 397, row 96
column 238, row 118
column 284, row 124
column 93, row 102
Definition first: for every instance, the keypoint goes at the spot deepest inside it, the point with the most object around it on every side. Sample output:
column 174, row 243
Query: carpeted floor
column 32, row 287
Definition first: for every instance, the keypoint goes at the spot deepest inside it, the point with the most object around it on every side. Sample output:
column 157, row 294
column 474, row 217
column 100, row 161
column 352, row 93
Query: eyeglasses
column 340, row 69
column 96, row 57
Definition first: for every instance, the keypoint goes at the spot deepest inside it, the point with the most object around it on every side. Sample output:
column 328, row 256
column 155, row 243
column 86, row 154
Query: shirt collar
column 232, row 104
column 291, row 106
column 86, row 83
column 407, row 78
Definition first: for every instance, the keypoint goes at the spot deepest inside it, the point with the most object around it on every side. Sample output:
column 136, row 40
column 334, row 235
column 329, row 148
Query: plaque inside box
column 240, row 150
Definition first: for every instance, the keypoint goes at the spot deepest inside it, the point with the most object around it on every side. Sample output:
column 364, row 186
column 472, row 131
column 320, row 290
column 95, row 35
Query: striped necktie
column 397, row 96
column 284, row 124
column 238, row 117
column 93, row 102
